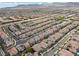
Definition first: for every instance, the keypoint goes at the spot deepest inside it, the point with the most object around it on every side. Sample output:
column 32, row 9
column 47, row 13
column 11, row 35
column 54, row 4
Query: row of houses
column 45, row 43
column 71, row 47
column 45, row 33
column 50, row 30
column 51, row 40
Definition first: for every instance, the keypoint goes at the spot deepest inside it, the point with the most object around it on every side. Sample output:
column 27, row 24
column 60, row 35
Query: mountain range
column 43, row 4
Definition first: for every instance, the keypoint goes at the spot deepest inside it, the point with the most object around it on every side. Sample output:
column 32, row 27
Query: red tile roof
column 12, row 51
column 64, row 52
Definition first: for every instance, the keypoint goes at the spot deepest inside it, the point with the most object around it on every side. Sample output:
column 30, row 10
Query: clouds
column 11, row 4
column 39, row 0
column 7, row 4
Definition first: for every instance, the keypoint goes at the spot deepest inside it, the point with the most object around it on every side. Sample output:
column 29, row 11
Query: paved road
column 60, row 43
column 20, row 20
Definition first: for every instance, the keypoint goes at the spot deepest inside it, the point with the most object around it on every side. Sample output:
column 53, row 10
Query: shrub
column 30, row 50
column 60, row 18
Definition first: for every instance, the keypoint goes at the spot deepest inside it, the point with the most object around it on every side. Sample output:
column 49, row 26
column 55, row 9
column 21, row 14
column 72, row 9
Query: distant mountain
column 66, row 4
column 24, row 6
column 44, row 4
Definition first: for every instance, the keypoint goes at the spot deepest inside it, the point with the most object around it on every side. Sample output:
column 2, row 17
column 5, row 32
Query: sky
column 11, row 3
column 6, row 4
